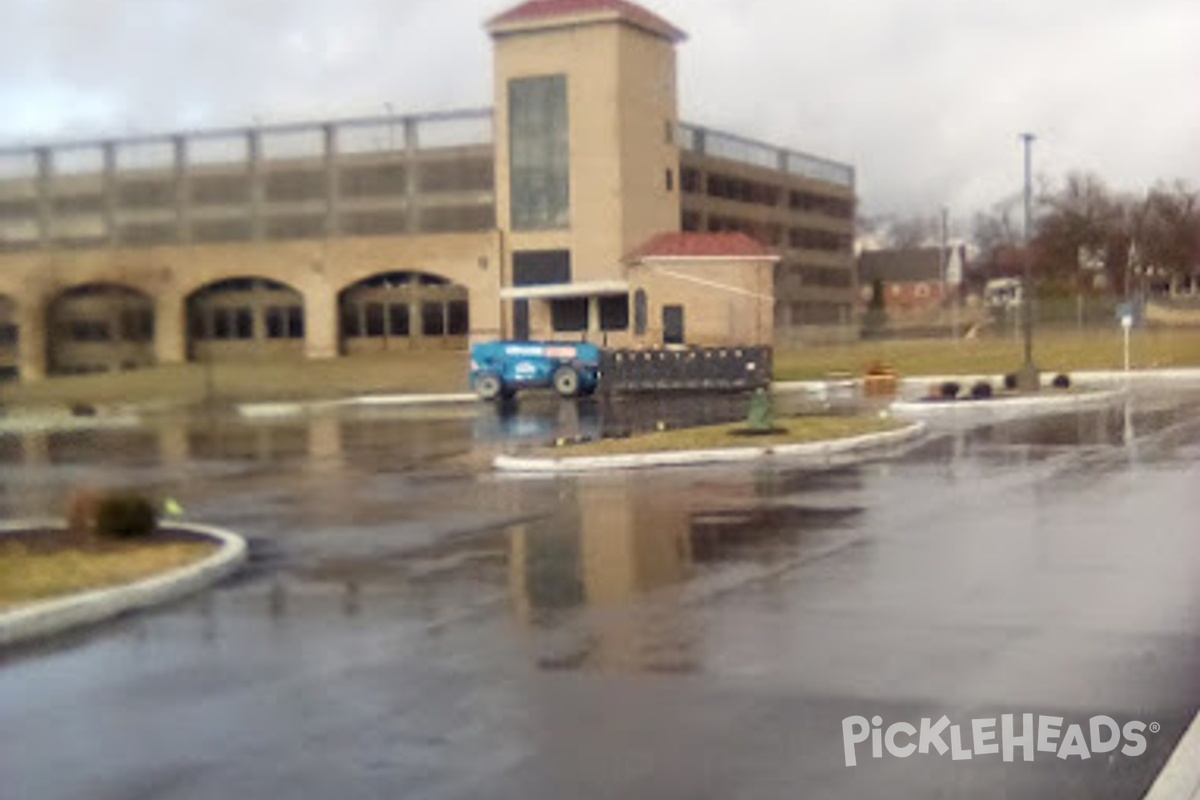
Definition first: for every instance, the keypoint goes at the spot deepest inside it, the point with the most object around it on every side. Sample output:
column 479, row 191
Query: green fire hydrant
column 761, row 417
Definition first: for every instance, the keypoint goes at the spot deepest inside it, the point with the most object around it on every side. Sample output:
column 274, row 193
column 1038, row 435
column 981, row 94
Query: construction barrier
column 696, row 369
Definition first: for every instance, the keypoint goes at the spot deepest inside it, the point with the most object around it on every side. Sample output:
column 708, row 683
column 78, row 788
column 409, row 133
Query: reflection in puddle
column 369, row 519
column 601, row 581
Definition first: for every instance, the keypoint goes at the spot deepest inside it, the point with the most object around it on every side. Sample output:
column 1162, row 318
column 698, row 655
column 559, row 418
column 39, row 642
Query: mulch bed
column 47, row 541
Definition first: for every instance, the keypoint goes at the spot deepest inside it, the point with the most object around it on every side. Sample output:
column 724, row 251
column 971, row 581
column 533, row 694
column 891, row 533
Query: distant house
column 914, row 279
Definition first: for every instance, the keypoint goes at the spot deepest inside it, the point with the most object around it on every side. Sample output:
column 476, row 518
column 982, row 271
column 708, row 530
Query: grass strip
column 1054, row 351
column 794, row 430
column 28, row 575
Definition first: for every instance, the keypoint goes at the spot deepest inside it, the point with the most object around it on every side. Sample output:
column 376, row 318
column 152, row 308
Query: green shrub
column 126, row 516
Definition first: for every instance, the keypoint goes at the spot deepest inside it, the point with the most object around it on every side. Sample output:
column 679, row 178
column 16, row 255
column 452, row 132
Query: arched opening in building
column 99, row 327
column 10, row 339
column 245, row 318
column 403, row 311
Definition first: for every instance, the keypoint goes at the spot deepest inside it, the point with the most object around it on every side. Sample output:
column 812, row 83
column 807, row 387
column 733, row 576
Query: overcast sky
column 926, row 98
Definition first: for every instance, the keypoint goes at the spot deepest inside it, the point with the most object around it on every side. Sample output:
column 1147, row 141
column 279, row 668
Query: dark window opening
column 670, row 180
column 222, row 323
column 398, row 319
column 285, row 322
column 9, row 335
column 614, row 313
column 197, row 324
column 433, row 319
column 374, row 319
column 243, row 321
column 351, row 322
column 672, row 324
column 540, row 267
column 569, row 315
column 87, row 330
column 137, row 325
column 458, row 318
column 295, row 320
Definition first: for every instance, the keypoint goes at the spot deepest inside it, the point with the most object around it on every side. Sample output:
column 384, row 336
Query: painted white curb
column 292, row 409
column 821, row 452
column 1180, row 778
column 54, row 616
column 52, row 421
column 1002, row 406
column 919, row 382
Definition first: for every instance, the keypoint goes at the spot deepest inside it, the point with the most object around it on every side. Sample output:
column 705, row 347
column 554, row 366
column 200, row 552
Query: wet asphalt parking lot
column 413, row 625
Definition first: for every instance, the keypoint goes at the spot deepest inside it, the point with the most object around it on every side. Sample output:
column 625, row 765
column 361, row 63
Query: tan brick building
column 579, row 207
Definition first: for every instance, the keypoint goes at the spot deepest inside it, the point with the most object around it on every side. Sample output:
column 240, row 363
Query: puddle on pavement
column 354, row 516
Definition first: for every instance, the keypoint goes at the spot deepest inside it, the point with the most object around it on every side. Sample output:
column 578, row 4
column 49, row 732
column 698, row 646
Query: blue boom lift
column 499, row 369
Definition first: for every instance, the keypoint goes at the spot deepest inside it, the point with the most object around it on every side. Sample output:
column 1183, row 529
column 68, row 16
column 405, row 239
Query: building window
column 137, row 325
column 222, row 323
column 243, row 320
column 672, row 324
column 433, row 319
column 539, row 153
column 374, row 319
column 569, row 315
column 670, row 180
column 614, row 313
column 458, row 318
column 351, row 323
column 640, row 312
column 9, row 335
column 398, row 319
column 285, row 322
column 539, row 267
column 86, row 330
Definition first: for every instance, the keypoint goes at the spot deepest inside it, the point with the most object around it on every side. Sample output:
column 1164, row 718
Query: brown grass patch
column 44, row 565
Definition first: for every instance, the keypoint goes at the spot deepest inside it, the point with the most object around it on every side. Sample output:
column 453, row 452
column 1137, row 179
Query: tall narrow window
column 539, row 153
column 640, row 312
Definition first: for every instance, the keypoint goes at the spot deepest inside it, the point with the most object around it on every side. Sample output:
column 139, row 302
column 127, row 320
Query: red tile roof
column 544, row 11
column 701, row 245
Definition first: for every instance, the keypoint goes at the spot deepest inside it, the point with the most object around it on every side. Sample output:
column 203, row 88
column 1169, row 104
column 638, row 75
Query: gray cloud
column 925, row 97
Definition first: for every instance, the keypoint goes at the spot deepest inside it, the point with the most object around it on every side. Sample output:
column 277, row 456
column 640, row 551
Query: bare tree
column 1169, row 230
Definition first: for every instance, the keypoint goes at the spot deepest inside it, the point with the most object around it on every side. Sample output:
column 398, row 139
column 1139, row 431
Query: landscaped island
column 788, row 431
column 44, row 564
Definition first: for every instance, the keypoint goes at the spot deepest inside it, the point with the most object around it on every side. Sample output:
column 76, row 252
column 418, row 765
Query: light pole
column 1028, row 379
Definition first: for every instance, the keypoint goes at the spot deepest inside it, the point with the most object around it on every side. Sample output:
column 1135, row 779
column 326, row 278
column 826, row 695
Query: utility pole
column 945, row 264
column 1028, row 379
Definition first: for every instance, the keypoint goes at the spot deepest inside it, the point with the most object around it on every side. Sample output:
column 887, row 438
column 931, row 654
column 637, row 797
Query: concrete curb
column 54, row 616
column 291, row 409
column 1180, row 777
column 54, row 420
column 822, row 453
column 1004, row 406
column 920, row 382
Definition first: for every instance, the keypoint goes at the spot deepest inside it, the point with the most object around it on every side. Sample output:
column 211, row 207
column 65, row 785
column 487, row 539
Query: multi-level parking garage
column 400, row 233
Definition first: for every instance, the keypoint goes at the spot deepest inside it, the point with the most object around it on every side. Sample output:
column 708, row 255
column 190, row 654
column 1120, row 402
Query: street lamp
column 1028, row 379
